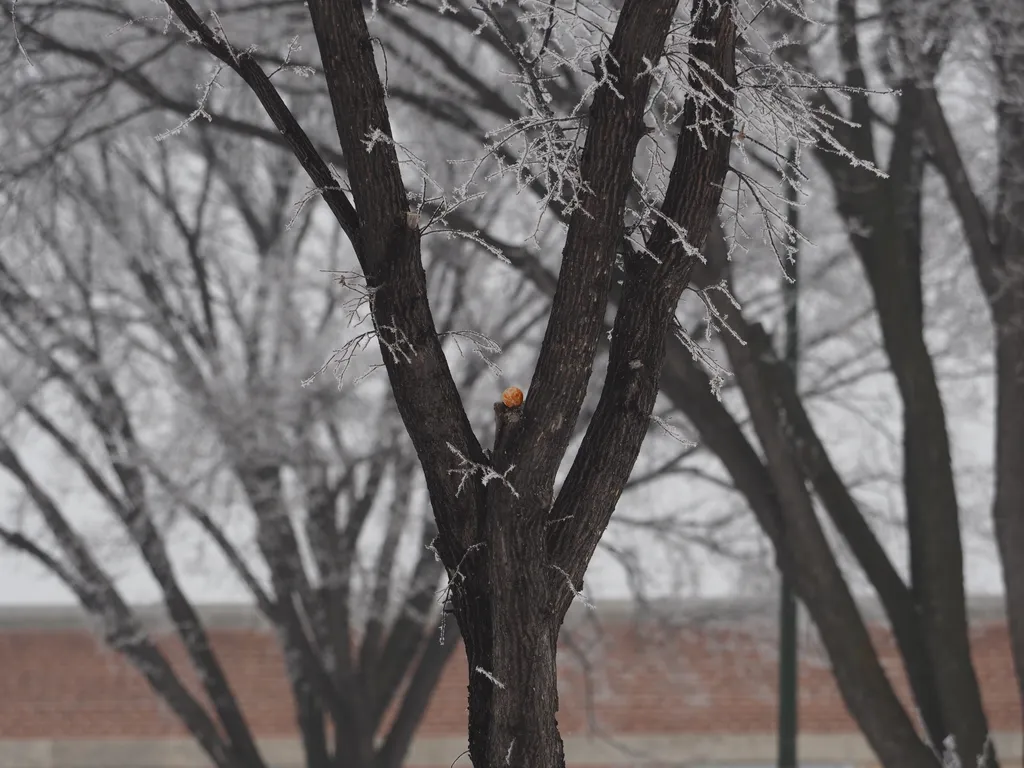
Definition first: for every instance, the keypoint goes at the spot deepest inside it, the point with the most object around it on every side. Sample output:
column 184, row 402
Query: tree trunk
column 502, row 603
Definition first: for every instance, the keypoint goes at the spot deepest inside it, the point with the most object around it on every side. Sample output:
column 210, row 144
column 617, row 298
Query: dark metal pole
column 788, row 660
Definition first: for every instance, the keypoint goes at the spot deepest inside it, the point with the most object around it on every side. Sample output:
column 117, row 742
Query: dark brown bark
column 577, row 313
column 388, row 248
column 510, row 631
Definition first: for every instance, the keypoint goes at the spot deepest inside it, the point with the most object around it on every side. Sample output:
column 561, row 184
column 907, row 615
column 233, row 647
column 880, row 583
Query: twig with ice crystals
column 468, row 468
column 206, row 89
column 577, row 594
column 714, row 318
column 489, row 676
column 672, row 432
column 476, row 238
column 17, row 36
column 315, row 192
column 341, row 359
column 457, row 576
column 482, row 346
column 302, row 70
column 718, row 372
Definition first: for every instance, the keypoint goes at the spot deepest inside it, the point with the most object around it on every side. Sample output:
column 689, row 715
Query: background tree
column 158, row 301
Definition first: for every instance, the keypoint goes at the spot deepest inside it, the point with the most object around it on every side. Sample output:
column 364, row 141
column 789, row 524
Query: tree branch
column 99, row 596
column 595, row 229
column 948, row 161
column 647, row 308
column 243, row 63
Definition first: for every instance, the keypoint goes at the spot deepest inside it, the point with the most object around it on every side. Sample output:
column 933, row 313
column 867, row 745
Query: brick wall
column 713, row 676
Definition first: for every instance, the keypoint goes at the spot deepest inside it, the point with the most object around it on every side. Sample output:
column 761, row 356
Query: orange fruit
column 512, row 397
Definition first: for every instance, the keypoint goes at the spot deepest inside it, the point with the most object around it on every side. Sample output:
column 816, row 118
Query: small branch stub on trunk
column 507, row 412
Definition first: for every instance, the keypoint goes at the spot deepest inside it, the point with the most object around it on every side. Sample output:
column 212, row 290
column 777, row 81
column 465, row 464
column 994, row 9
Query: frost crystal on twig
column 456, row 577
column 206, row 89
column 576, row 594
column 671, row 431
column 714, row 318
column 315, row 192
column 950, row 759
column 467, row 468
column 483, row 345
column 301, row 70
column 17, row 36
column 489, row 676
column 476, row 238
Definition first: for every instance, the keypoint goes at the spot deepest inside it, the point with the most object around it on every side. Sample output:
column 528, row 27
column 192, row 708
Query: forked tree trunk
column 515, row 554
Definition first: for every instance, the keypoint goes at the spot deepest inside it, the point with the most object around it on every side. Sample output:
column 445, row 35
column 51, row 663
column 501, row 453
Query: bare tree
column 995, row 242
column 515, row 555
column 884, row 222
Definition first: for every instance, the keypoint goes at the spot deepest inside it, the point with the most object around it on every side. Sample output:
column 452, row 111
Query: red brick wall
column 65, row 684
